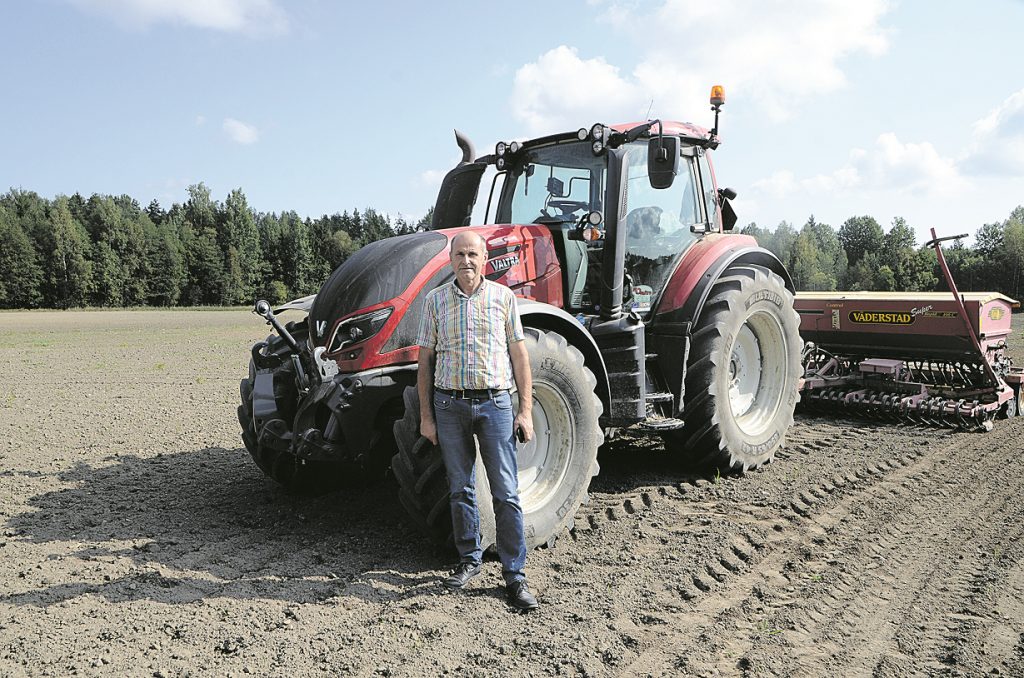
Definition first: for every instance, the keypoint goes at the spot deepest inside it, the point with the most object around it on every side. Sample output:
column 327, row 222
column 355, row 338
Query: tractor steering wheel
column 567, row 206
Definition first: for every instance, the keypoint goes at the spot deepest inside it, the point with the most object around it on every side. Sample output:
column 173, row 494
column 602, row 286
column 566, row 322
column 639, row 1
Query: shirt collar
column 458, row 290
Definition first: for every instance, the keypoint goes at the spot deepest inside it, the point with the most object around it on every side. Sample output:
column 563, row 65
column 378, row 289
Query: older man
column 471, row 350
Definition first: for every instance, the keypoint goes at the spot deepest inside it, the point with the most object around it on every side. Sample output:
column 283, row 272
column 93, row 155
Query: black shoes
column 517, row 593
column 461, row 575
column 519, row 596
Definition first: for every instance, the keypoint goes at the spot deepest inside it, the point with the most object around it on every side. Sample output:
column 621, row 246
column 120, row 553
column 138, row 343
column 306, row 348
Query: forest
column 109, row 251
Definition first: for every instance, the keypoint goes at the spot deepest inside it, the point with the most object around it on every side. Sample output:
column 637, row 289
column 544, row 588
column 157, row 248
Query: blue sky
column 834, row 107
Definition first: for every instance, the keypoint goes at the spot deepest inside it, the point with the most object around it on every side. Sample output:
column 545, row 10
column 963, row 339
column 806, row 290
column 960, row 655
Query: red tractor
column 641, row 310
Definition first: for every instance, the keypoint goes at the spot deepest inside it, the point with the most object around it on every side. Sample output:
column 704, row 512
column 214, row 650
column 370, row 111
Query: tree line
column 861, row 255
column 109, row 251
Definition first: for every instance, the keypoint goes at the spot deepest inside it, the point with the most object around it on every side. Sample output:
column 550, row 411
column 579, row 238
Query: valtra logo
column 504, row 263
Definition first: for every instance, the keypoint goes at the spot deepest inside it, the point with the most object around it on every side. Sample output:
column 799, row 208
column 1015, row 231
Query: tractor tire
column 555, row 467
column 741, row 377
column 301, row 476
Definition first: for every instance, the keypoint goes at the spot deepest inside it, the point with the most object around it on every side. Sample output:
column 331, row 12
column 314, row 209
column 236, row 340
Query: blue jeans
column 490, row 420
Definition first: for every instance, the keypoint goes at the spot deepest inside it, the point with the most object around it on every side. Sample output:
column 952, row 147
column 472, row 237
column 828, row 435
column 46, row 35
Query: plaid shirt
column 471, row 335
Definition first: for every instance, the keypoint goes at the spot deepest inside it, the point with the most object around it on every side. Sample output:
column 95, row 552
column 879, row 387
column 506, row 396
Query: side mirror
column 725, row 195
column 662, row 161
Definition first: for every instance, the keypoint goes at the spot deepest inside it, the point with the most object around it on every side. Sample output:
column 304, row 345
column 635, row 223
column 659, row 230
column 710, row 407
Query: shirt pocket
column 484, row 326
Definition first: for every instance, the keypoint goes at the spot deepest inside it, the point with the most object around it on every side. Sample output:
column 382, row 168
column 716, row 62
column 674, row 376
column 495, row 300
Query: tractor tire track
column 876, row 519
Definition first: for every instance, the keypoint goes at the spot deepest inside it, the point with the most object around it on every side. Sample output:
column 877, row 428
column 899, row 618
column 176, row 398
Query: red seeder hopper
column 931, row 357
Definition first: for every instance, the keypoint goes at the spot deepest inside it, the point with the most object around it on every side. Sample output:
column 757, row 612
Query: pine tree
column 166, row 257
column 20, row 273
column 67, row 271
column 240, row 242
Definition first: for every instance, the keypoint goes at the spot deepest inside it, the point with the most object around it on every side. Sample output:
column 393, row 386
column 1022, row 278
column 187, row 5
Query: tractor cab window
column 710, row 195
column 552, row 184
column 657, row 226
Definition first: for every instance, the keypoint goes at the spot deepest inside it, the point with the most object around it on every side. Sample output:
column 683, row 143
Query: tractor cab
column 623, row 204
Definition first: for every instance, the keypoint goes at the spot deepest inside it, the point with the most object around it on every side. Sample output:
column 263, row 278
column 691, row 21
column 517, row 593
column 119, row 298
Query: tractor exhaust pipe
column 468, row 152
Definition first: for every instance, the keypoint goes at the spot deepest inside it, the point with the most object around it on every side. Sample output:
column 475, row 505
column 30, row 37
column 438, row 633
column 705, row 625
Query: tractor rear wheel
column 301, row 476
column 741, row 380
column 555, row 467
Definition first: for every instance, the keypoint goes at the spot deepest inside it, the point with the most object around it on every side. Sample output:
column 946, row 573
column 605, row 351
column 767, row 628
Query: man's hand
column 524, row 422
column 524, row 384
column 428, row 429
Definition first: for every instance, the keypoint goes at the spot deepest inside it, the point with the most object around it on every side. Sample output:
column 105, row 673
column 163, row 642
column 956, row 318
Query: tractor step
column 661, row 424
column 659, row 397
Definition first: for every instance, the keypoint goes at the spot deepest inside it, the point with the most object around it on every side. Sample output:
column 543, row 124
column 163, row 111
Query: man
column 471, row 350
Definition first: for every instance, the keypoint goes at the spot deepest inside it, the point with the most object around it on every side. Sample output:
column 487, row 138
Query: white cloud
column 560, row 90
column 997, row 147
column 775, row 54
column 432, row 178
column 200, row 120
column 245, row 16
column 892, row 166
column 780, row 184
column 241, row 132
column 906, row 167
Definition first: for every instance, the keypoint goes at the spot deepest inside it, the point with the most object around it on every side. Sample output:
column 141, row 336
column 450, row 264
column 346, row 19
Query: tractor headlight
column 499, row 149
column 358, row 328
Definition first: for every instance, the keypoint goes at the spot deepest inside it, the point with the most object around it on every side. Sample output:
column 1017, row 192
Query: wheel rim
column 756, row 372
column 544, row 461
column 744, row 371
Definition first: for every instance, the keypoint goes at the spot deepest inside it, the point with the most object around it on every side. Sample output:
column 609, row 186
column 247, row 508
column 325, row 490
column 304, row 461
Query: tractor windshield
column 657, row 226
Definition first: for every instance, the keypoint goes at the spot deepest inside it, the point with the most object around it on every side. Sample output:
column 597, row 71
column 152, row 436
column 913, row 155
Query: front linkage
column 307, row 425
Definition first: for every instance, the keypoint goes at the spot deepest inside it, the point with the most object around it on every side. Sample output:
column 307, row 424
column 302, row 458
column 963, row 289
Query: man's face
column 468, row 258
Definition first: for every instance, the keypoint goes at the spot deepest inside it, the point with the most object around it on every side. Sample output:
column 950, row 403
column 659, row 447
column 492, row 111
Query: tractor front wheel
column 555, row 467
column 741, row 380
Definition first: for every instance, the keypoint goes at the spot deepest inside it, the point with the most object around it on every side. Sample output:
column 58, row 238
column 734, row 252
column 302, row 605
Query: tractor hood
column 375, row 274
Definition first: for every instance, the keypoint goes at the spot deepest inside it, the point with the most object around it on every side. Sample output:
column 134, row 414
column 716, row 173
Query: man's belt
column 469, row 393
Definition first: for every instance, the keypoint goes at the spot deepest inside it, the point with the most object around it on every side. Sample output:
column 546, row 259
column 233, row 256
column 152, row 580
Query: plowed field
column 138, row 538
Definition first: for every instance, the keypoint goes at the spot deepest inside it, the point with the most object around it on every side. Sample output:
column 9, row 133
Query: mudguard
column 680, row 306
column 553, row 319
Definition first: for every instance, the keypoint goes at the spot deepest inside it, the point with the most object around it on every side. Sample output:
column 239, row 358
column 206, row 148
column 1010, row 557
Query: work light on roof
column 499, row 149
column 582, row 134
column 597, row 132
column 513, row 147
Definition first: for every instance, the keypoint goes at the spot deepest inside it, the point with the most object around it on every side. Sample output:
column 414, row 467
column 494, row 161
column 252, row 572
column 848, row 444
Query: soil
column 138, row 538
